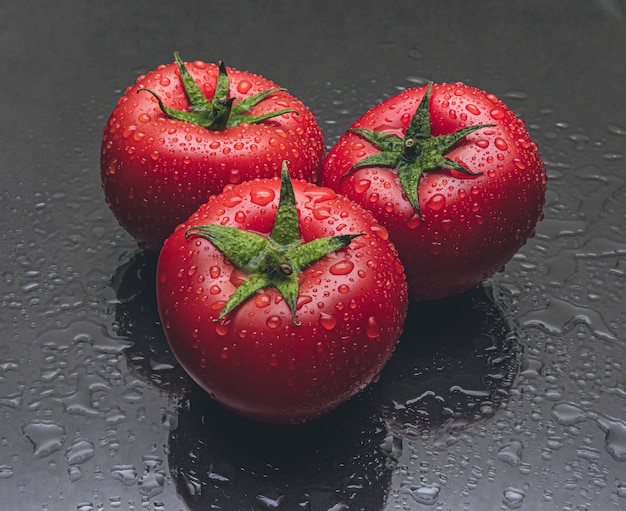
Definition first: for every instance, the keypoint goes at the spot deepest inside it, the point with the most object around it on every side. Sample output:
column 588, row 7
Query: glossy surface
column 519, row 403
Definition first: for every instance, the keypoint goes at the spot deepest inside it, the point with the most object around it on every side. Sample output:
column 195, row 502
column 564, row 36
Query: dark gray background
column 90, row 408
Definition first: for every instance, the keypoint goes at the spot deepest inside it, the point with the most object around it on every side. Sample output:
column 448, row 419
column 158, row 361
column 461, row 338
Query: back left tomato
column 185, row 130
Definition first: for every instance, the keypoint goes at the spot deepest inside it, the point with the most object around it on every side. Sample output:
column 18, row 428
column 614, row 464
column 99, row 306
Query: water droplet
column 497, row 113
column 46, row 436
column 262, row 196
column 362, row 185
column 514, row 498
column 568, row 414
column 501, row 144
column 244, row 86
column 511, row 453
column 273, row 322
column 372, row 329
column 519, row 163
column 222, row 327
column 262, row 300
column 342, row 267
column 224, row 353
column 426, row 494
column 615, row 439
column 79, row 452
column 327, row 321
column 436, row 202
column 473, row 109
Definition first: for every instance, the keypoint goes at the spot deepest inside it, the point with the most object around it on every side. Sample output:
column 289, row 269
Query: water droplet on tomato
column 473, row 109
column 362, row 185
column 144, row 117
column 244, row 86
column 372, row 329
column 435, row 247
column 343, row 289
column 501, row 144
column 519, row 163
column 164, row 81
column 192, row 270
column 224, row 352
column 436, row 202
column 273, row 322
column 380, row 231
column 222, row 328
column 322, row 212
column 273, row 360
column 497, row 113
column 262, row 300
column 342, row 267
column 262, row 196
column 327, row 321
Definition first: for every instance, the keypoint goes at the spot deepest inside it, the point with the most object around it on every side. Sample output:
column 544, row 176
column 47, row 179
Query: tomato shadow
column 456, row 360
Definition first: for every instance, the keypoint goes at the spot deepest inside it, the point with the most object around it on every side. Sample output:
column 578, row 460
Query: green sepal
column 273, row 261
column 221, row 112
column 418, row 152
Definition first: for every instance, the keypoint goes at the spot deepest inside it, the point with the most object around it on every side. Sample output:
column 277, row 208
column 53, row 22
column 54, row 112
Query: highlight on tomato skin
column 278, row 356
column 452, row 174
column 162, row 154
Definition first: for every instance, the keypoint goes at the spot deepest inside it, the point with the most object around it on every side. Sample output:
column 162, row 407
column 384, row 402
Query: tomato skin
column 256, row 362
column 472, row 225
column 156, row 171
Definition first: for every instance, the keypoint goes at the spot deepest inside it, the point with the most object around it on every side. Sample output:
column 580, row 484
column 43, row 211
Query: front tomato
column 185, row 130
column 290, row 336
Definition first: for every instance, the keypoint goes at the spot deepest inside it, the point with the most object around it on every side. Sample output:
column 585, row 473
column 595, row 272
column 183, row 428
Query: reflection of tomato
column 446, row 369
column 221, row 461
column 269, row 335
column 454, row 177
column 157, row 167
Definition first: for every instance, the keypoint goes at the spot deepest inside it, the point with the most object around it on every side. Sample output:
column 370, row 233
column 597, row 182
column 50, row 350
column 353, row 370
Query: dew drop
column 436, row 202
column 327, row 321
column 244, row 86
column 519, row 163
column 473, row 109
column 222, row 328
column 342, row 267
column 224, row 353
column 496, row 113
column 273, row 322
column 372, row 329
column 501, row 144
column 262, row 196
column 362, row 185
column 262, row 300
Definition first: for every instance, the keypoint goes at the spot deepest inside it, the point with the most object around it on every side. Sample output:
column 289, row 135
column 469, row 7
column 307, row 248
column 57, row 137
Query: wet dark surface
column 512, row 396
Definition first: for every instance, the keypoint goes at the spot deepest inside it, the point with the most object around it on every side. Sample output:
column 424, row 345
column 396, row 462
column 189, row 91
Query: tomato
column 281, row 301
column 452, row 174
column 184, row 131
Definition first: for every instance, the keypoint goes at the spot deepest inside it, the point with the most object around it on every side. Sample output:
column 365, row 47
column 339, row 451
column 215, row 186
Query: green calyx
column 273, row 261
column 221, row 112
column 417, row 152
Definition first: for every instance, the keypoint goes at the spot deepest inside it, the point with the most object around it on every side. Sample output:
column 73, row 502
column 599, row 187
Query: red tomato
column 157, row 167
column 266, row 358
column 458, row 183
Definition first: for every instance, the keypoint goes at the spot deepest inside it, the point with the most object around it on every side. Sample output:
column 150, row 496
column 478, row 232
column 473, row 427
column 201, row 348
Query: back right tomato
column 453, row 175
